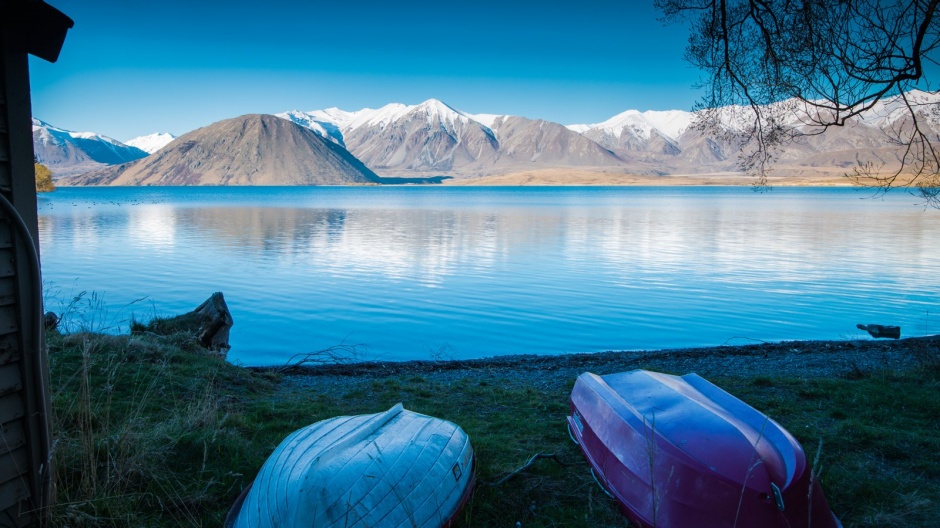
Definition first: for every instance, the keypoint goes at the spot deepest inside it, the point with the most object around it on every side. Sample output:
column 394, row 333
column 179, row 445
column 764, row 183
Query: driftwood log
column 209, row 323
column 876, row 330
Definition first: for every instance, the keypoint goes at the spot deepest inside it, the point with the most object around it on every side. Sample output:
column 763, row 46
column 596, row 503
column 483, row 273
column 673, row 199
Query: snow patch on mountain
column 580, row 129
column 380, row 117
column 152, row 142
column 65, row 151
column 670, row 123
column 335, row 124
column 55, row 135
column 887, row 111
column 323, row 122
column 437, row 112
column 487, row 120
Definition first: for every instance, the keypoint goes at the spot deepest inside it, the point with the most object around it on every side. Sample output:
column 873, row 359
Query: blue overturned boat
column 392, row 469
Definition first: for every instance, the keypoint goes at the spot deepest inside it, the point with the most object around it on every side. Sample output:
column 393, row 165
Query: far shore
column 600, row 176
column 562, row 177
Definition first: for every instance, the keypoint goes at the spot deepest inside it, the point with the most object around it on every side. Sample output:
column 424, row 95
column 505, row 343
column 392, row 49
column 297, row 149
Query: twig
column 814, row 475
column 526, row 466
column 336, row 354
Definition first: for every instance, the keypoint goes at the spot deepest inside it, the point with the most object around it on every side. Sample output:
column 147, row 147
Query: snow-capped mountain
column 66, row 152
column 151, row 142
column 427, row 137
column 433, row 137
column 430, row 137
column 336, row 124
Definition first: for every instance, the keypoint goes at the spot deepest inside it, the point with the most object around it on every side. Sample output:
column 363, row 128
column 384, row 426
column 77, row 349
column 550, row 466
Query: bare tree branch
column 778, row 70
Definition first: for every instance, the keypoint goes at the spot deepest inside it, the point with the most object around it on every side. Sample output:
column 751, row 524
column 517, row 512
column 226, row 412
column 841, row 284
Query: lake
column 468, row 272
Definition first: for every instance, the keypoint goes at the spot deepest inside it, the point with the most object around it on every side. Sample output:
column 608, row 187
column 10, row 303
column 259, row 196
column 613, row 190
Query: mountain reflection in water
column 420, row 272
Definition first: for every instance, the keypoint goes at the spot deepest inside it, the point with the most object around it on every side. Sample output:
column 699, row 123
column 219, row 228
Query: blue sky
column 132, row 68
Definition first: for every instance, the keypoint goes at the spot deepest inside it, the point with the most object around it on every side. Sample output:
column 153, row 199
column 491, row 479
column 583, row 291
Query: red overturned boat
column 678, row 451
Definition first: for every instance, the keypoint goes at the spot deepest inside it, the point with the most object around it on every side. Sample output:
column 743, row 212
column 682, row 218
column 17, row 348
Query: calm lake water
column 449, row 272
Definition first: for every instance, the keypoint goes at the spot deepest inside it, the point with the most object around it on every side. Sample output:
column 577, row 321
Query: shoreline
column 614, row 178
column 799, row 359
column 587, row 177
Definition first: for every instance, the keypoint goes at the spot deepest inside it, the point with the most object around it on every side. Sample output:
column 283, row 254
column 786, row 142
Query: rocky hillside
column 537, row 143
column 253, row 149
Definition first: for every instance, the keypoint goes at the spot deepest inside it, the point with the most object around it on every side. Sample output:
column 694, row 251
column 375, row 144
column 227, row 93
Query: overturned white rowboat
column 396, row 468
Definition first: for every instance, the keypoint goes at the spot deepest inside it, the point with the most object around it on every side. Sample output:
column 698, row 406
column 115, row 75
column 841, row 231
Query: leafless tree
column 788, row 68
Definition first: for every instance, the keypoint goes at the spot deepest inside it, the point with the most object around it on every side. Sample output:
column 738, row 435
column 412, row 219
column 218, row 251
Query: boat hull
column 678, row 451
column 396, row 468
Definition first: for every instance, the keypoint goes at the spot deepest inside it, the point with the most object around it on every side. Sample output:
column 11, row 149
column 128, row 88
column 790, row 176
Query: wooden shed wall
column 24, row 428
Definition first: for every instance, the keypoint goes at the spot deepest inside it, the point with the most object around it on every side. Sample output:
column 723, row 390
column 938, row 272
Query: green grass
column 145, row 430
column 880, row 440
column 152, row 431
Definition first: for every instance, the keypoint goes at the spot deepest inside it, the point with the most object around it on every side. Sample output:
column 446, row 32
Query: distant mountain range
column 432, row 138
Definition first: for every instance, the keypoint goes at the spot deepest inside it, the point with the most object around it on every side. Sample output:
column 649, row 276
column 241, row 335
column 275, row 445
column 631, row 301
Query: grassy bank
column 152, row 431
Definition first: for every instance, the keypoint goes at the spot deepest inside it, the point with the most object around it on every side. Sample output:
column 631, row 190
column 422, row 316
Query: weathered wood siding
column 24, row 431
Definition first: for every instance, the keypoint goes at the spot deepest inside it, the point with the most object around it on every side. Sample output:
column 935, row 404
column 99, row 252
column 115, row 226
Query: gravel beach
column 797, row 359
